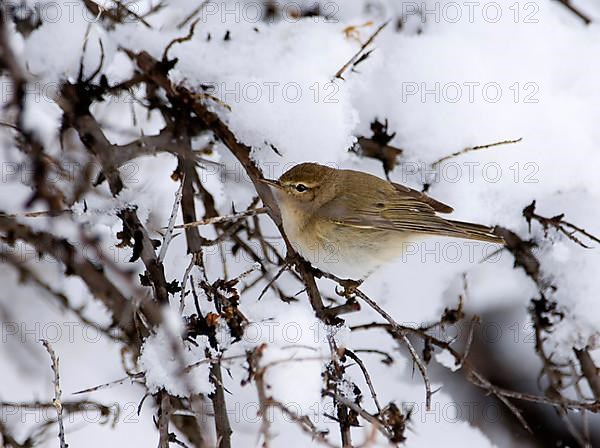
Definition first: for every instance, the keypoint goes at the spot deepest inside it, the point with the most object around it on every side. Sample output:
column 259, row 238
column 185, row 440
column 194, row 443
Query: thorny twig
column 169, row 233
column 475, row 148
column 359, row 410
column 303, row 422
column 365, row 372
column 335, row 379
column 56, row 401
column 358, row 54
column 558, row 223
column 222, row 219
column 401, row 332
column 143, row 247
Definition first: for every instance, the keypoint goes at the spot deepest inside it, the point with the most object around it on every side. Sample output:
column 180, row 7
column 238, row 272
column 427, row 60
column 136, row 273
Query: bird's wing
column 379, row 208
column 438, row 206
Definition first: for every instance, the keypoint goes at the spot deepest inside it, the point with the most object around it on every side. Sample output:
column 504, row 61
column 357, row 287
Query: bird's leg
column 347, row 284
column 349, row 287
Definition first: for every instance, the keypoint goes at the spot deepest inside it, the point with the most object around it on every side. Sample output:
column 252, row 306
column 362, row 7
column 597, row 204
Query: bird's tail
column 472, row 231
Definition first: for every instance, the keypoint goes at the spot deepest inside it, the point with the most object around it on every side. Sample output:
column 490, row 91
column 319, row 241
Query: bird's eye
column 301, row 188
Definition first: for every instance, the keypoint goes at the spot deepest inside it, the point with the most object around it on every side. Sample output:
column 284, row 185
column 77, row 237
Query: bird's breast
column 345, row 251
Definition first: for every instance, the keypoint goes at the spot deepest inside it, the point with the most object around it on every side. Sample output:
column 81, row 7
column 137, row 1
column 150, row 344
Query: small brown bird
column 348, row 223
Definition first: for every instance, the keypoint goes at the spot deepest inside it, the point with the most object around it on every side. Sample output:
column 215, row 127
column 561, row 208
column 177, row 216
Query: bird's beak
column 272, row 183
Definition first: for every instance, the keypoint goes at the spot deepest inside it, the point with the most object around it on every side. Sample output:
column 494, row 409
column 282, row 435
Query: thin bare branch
column 169, row 233
column 56, row 401
column 475, row 148
column 359, row 53
column 225, row 218
column 590, row 371
column 222, row 425
column 164, row 413
column 365, row 372
column 401, row 332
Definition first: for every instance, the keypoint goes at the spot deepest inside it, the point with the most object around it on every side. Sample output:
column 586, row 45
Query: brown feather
column 434, row 203
column 383, row 205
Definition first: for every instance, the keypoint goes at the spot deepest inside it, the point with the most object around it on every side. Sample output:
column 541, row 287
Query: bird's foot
column 348, row 289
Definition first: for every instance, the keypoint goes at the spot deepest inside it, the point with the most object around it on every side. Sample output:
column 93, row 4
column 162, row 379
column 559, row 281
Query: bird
column 348, row 223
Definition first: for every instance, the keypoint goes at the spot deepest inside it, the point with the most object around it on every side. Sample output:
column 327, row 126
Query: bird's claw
column 349, row 288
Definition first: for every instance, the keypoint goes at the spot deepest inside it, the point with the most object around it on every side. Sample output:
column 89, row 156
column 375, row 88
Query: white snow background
column 533, row 77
